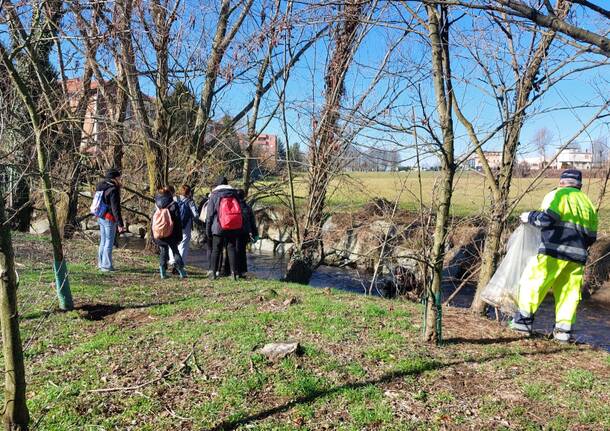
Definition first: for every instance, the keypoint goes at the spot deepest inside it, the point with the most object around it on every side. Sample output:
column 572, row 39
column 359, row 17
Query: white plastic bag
column 502, row 291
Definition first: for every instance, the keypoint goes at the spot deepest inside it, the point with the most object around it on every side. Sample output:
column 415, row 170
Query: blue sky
column 408, row 76
column 563, row 108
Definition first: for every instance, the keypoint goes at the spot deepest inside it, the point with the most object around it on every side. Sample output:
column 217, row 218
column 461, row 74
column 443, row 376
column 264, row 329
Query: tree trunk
column 62, row 283
column 489, row 258
column 258, row 95
column 326, row 146
column 219, row 46
column 433, row 331
column 16, row 415
column 152, row 150
column 438, row 29
column 59, row 265
column 118, row 114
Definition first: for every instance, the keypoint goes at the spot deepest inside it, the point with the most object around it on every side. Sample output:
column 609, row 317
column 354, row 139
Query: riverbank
column 139, row 353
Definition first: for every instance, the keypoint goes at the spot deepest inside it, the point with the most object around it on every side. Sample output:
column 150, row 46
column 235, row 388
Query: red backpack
column 229, row 214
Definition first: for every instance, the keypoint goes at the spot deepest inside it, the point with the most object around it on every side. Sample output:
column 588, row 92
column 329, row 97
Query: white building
column 574, row 158
column 535, row 163
column 494, row 159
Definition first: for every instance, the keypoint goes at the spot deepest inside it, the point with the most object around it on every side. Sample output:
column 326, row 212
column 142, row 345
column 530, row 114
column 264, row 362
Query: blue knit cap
column 571, row 178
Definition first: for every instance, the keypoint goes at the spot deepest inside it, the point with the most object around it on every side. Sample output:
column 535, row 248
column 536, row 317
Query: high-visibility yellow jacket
column 568, row 221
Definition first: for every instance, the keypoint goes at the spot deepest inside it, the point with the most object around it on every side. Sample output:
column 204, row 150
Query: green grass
column 471, row 195
column 185, row 355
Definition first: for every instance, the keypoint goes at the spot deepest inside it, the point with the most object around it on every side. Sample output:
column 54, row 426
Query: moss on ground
column 143, row 354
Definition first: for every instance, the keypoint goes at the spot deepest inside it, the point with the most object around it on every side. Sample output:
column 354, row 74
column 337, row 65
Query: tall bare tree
column 326, row 142
column 438, row 32
column 222, row 40
column 527, row 81
column 149, row 132
column 41, row 104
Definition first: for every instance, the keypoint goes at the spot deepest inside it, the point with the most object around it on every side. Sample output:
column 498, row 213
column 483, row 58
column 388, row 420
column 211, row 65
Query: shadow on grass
column 100, row 311
column 482, row 341
column 415, row 370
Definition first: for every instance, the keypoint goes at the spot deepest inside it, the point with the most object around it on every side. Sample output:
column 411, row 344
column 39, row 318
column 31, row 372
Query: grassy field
column 471, row 195
column 142, row 354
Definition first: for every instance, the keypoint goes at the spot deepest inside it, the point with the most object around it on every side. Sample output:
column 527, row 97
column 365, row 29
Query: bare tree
column 272, row 40
column 326, row 142
column 40, row 102
column 541, row 141
column 438, row 32
column 527, row 83
column 222, row 40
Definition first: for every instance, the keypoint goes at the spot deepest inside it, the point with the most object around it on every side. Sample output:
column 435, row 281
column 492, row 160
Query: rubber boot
column 181, row 271
column 163, row 272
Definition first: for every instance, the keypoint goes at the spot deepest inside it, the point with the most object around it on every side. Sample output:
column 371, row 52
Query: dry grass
column 471, row 195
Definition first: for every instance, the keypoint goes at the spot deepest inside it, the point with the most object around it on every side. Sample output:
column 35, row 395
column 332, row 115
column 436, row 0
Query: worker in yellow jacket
column 568, row 222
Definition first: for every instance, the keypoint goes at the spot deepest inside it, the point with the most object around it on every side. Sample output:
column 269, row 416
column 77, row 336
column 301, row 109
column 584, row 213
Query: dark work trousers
column 228, row 241
column 209, row 245
column 164, row 247
column 224, row 265
column 242, row 257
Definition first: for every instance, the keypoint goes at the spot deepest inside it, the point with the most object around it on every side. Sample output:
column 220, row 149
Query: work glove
column 524, row 217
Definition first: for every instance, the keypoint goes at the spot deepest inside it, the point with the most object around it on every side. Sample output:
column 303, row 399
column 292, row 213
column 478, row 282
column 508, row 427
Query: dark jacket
column 247, row 214
column 166, row 201
column 568, row 222
column 112, row 198
column 212, row 224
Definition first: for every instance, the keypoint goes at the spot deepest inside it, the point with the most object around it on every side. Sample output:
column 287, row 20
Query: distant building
column 535, row 163
column 99, row 111
column 573, row 157
column 265, row 151
column 494, row 159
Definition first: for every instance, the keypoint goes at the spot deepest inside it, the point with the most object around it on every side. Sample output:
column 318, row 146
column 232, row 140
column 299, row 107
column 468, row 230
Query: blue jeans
column 104, row 254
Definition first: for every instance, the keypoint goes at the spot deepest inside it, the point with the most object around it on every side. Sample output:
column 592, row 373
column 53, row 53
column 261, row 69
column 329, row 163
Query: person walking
column 167, row 230
column 188, row 214
column 203, row 214
column 106, row 207
column 568, row 222
column 249, row 233
column 223, row 224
